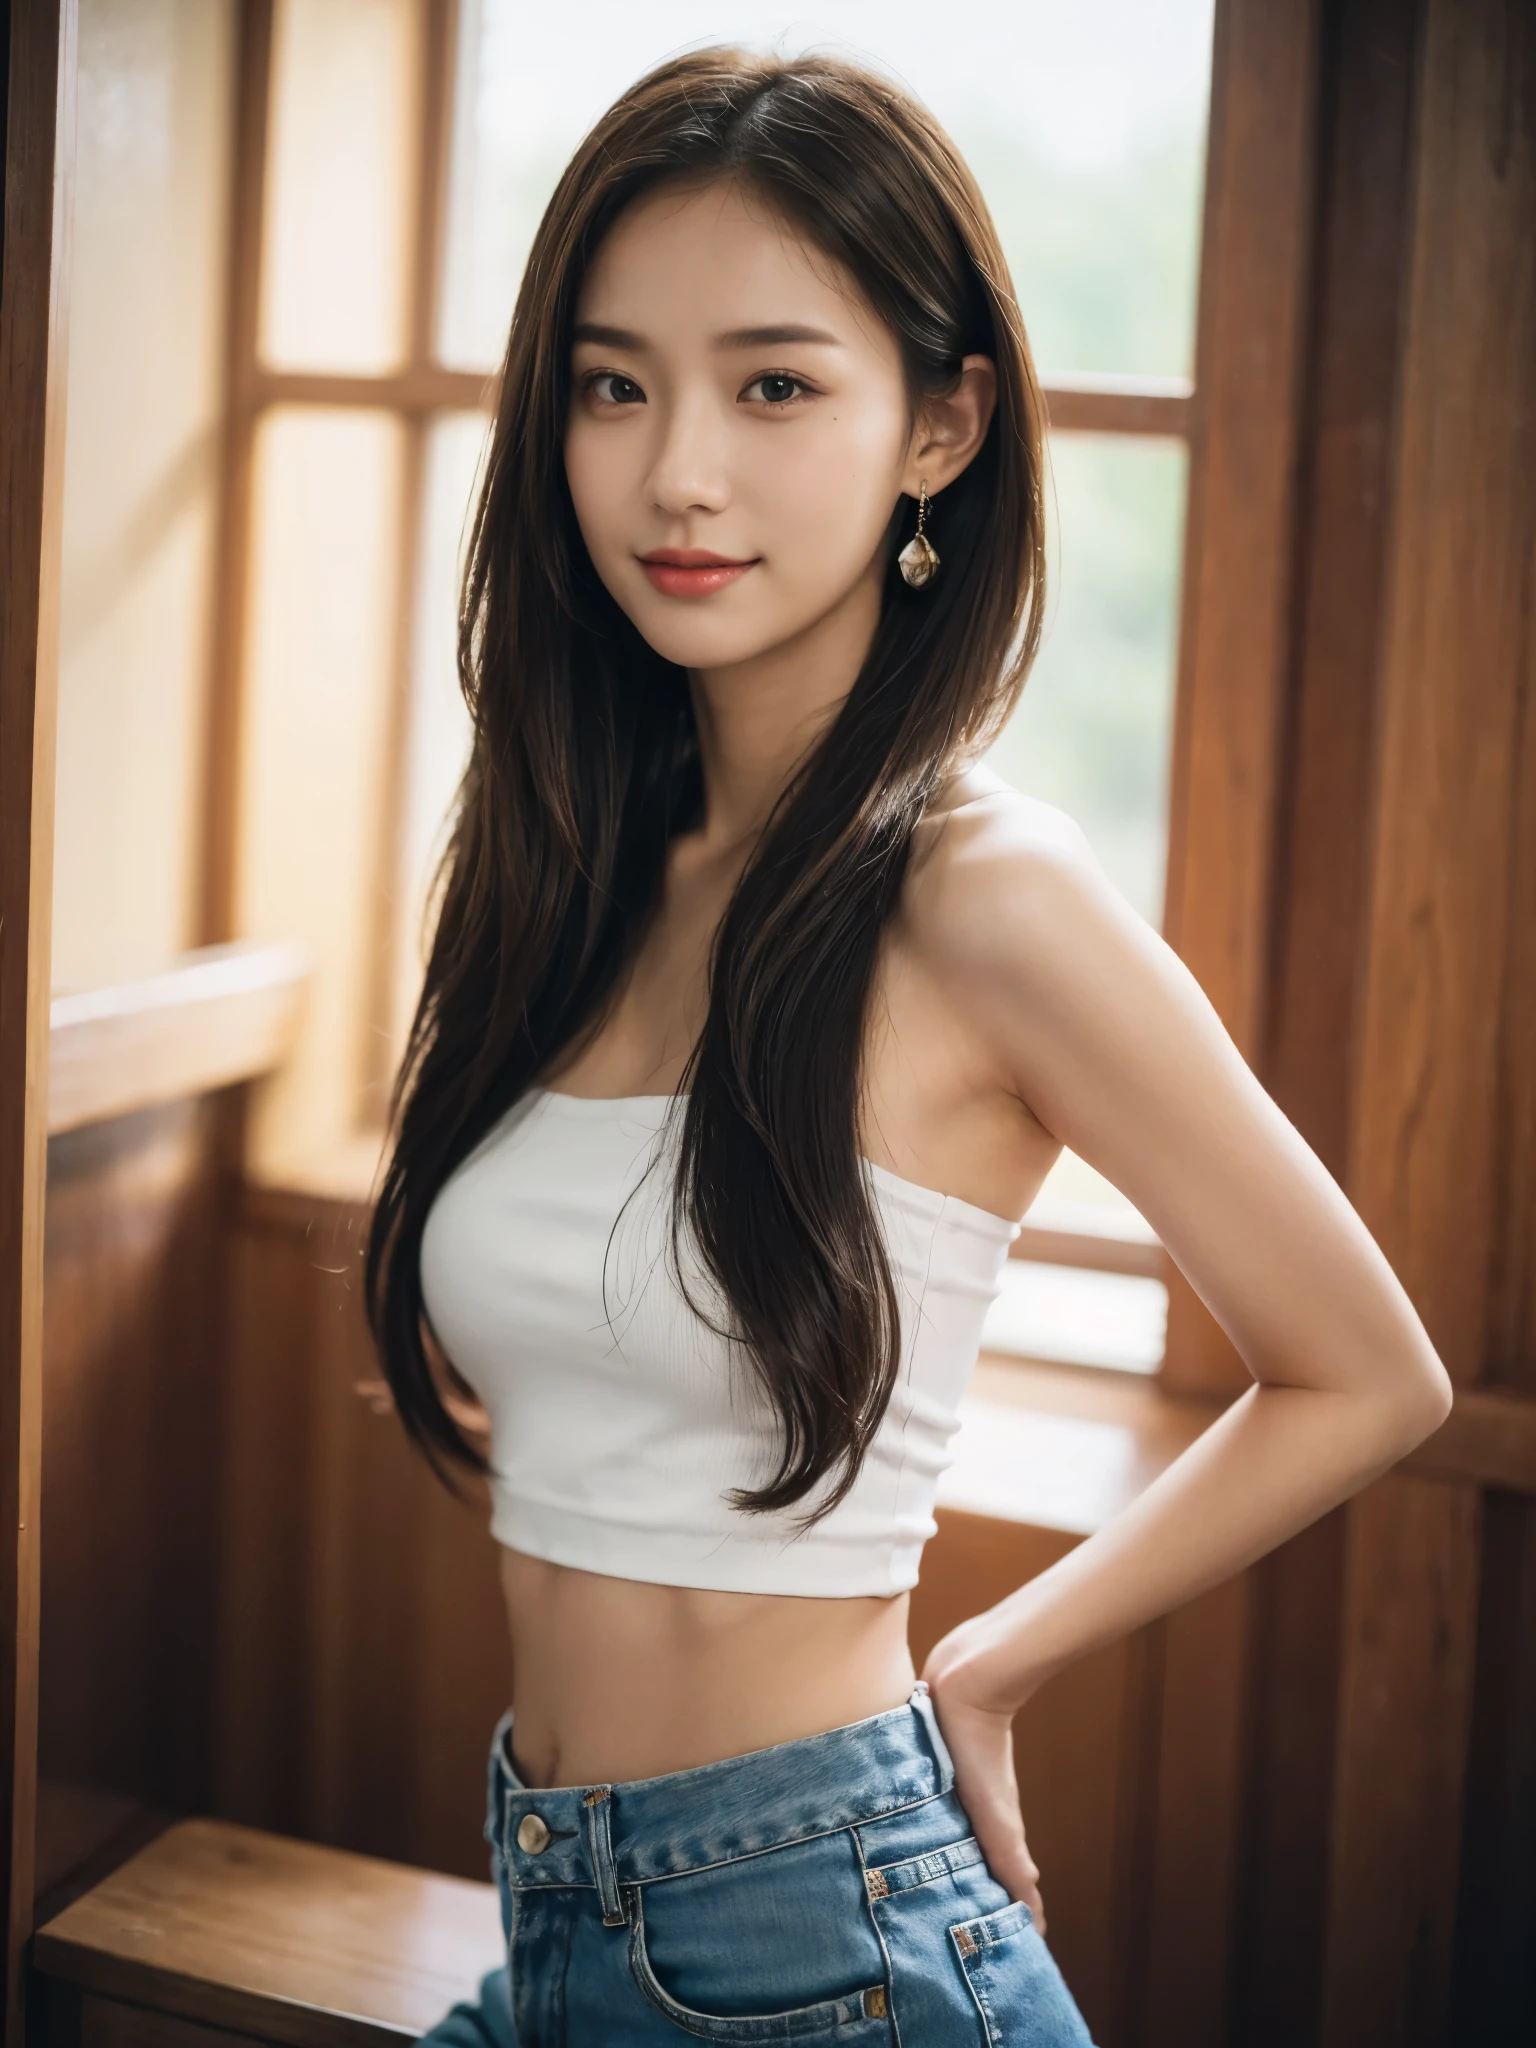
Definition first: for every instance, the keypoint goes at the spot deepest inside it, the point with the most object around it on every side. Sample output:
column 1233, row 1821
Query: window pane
column 341, row 171
column 437, row 745
column 1093, row 729
column 1065, row 1315
column 1084, row 124
column 317, row 698
column 1092, row 734
column 1076, row 1199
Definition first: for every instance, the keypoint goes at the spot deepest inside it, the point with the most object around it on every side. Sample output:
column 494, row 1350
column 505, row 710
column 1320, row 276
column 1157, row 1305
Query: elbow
column 1424, row 1404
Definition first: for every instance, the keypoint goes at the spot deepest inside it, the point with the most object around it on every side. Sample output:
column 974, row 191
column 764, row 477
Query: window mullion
column 219, row 832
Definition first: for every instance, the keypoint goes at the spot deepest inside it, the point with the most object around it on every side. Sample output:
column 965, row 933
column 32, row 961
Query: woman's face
column 732, row 400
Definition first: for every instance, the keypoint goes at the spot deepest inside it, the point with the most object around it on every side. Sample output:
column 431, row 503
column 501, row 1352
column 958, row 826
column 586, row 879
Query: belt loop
column 921, row 1703
column 498, row 1789
column 600, row 1849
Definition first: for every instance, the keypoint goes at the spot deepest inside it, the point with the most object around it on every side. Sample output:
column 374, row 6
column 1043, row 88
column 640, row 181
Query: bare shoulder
column 1002, row 881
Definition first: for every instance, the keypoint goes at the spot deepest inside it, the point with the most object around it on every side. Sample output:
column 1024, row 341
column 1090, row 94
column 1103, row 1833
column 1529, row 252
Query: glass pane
column 1084, row 124
column 437, row 745
column 1065, row 1315
column 1076, row 1199
column 1093, row 728
column 341, row 172
column 317, row 696
column 146, row 401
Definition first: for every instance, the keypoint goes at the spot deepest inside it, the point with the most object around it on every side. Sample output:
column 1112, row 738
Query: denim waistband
column 629, row 1833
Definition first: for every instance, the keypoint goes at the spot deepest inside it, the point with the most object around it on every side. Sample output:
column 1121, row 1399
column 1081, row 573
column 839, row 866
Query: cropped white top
column 619, row 1419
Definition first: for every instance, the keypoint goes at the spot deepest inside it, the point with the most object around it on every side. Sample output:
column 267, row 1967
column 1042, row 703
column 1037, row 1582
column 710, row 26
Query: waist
column 618, row 1679
column 685, row 1820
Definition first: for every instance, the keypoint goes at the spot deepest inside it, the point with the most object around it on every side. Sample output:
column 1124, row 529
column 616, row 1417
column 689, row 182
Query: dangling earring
column 919, row 559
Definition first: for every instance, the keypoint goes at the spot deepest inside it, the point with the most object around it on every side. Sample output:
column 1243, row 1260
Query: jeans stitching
column 982, row 2002
column 927, row 1868
column 885, row 1954
column 600, row 1851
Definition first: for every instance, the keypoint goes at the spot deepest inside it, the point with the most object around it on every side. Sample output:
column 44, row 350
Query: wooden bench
column 221, row 1933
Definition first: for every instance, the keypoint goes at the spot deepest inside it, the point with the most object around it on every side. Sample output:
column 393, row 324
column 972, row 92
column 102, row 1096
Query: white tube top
column 619, row 1419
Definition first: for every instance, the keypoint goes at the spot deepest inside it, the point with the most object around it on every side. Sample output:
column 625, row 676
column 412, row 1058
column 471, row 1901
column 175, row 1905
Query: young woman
column 756, row 1013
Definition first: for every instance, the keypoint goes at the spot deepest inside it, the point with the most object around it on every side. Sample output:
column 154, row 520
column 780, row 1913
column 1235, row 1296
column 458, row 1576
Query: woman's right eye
column 622, row 390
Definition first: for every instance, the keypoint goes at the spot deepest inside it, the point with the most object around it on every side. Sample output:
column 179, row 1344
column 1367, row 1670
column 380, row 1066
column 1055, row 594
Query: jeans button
column 532, row 1834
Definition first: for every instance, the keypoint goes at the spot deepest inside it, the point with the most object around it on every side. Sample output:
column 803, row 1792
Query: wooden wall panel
column 1344, row 502
column 39, row 151
column 1424, row 1166
column 1281, row 1907
column 365, row 1655
column 1457, row 663
column 1191, row 1902
column 1410, row 1591
column 130, row 1478
column 266, row 1458
column 1494, row 1989
column 1345, row 468
column 1511, row 1339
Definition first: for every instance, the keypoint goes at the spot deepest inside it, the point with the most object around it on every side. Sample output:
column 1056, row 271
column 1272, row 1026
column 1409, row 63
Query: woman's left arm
column 1108, row 1040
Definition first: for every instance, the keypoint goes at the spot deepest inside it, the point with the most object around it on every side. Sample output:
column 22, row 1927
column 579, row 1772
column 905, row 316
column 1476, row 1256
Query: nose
column 690, row 471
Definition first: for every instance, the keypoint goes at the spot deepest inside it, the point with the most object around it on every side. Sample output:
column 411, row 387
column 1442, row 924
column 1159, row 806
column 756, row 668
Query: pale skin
column 1020, row 1006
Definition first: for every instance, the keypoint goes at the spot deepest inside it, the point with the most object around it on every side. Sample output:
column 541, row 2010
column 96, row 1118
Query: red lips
column 696, row 558
column 691, row 572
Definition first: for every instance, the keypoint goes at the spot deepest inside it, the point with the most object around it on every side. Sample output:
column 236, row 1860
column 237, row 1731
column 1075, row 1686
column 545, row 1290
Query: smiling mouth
column 692, row 572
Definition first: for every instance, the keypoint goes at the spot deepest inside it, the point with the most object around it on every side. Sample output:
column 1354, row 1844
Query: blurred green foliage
column 1092, row 730
column 1104, row 258
column 1105, row 264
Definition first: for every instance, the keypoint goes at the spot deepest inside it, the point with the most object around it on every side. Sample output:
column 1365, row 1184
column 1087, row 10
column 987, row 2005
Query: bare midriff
column 615, row 1679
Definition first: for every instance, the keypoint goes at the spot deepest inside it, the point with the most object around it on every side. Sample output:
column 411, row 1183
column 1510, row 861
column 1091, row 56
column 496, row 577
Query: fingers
column 1033, row 1900
column 1001, row 1836
column 981, row 1742
column 1020, row 1878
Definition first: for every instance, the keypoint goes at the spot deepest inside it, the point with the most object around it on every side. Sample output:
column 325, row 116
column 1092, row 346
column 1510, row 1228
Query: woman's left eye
column 778, row 387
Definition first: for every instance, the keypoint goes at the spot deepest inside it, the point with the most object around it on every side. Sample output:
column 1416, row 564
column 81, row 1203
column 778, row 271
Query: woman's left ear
column 951, row 428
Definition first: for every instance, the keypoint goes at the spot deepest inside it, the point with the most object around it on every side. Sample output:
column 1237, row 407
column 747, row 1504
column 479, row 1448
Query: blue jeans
column 826, row 1890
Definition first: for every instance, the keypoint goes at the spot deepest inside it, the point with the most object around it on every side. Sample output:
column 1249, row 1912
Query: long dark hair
column 585, row 763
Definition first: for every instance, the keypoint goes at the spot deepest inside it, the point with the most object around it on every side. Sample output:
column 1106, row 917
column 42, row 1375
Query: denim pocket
column 1014, row 1980
column 856, row 2021
column 776, row 1946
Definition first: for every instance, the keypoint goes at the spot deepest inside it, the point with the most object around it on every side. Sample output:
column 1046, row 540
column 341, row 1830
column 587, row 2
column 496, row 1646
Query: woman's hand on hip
column 980, row 1739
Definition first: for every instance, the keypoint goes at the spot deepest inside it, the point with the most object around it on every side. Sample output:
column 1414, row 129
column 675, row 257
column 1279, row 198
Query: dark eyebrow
column 607, row 337
column 741, row 337
column 772, row 337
